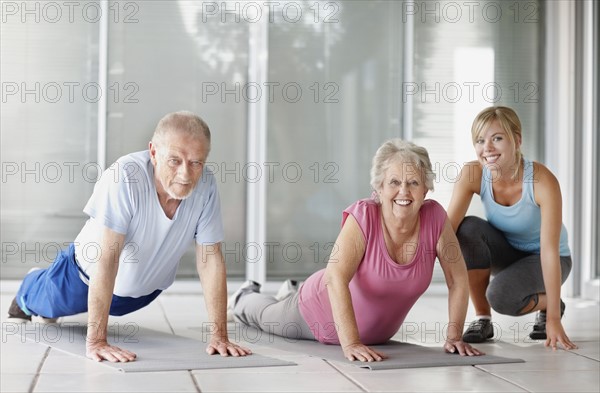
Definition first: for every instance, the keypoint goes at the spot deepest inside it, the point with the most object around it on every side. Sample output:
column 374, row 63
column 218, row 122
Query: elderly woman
column 523, row 243
column 382, row 262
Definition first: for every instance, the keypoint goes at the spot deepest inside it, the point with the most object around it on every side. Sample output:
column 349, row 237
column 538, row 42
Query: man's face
column 178, row 163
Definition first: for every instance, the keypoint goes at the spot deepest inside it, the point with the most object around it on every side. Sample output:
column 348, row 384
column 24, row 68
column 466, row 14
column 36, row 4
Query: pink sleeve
column 436, row 217
column 364, row 211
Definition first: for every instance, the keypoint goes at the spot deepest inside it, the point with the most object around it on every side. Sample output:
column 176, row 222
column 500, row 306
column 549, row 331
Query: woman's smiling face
column 403, row 190
column 494, row 149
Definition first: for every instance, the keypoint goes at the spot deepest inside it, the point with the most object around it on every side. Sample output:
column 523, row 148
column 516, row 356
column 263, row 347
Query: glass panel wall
column 177, row 56
column 49, row 74
column 336, row 89
column 468, row 57
column 338, row 79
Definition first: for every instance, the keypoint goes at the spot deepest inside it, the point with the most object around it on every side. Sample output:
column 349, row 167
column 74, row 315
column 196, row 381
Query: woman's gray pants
column 517, row 275
column 279, row 317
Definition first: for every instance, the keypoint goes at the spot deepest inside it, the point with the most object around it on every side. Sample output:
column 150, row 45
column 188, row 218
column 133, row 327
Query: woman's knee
column 503, row 302
column 469, row 226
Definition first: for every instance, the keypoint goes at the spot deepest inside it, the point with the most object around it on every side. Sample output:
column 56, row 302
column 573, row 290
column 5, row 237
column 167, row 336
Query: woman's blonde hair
column 395, row 150
column 508, row 120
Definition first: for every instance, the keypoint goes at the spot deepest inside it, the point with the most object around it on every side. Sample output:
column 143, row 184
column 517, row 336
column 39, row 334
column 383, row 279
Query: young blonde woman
column 522, row 243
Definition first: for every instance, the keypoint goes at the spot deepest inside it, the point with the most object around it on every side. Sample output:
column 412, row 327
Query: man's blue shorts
column 59, row 291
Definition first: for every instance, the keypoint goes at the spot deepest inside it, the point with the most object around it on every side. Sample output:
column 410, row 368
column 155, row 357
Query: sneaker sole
column 472, row 339
column 538, row 335
column 17, row 320
column 42, row 320
column 476, row 340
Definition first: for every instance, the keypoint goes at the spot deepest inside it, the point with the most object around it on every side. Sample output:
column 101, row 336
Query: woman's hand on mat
column 362, row 353
column 101, row 350
column 555, row 334
column 461, row 347
column 224, row 347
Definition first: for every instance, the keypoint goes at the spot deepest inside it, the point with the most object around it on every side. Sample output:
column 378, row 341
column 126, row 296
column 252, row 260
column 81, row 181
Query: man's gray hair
column 182, row 121
column 395, row 150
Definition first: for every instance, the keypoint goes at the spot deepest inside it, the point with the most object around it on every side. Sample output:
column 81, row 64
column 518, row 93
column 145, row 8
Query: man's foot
column 289, row 287
column 539, row 328
column 247, row 287
column 15, row 312
column 40, row 319
column 479, row 331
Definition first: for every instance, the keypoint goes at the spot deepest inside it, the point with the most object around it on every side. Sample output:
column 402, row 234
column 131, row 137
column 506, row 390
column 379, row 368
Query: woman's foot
column 539, row 328
column 247, row 287
column 288, row 288
column 479, row 331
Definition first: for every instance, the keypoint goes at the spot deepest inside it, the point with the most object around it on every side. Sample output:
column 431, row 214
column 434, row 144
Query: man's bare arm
column 99, row 299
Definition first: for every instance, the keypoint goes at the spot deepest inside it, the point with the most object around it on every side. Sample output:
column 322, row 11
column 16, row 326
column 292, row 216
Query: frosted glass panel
column 321, row 142
column 459, row 63
column 336, row 91
column 49, row 131
column 466, row 58
column 176, row 58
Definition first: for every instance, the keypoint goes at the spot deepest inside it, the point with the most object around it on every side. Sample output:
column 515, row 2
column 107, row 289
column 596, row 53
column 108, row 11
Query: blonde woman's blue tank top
column 521, row 222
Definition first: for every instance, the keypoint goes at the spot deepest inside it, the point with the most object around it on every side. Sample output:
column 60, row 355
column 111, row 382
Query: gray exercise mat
column 156, row 351
column 400, row 355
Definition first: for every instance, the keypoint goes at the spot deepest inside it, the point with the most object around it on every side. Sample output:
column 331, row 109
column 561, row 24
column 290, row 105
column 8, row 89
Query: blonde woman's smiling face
column 493, row 148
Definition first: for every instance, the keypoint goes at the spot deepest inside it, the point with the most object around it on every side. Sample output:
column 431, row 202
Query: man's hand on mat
column 101, row 350
column 555, row 334
column 362, row 353
column 461, row 347
column 225, row 348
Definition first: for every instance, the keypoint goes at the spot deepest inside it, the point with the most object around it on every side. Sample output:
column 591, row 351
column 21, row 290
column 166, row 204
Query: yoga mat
column 400, row 355
column 156, row 351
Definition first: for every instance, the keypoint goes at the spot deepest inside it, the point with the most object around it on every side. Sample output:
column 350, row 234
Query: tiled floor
column 31, row 367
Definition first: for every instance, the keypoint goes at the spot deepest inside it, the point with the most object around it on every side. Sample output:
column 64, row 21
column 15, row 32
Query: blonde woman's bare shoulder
column 546, row 188
column 470, row 176
column 541, row 173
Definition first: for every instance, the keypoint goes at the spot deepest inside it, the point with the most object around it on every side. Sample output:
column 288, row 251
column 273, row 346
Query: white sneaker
column 43, row 320
column 247, row 287
column 288, row 288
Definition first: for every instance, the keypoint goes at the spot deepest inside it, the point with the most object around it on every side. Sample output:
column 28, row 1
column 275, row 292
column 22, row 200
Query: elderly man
column 144, row 212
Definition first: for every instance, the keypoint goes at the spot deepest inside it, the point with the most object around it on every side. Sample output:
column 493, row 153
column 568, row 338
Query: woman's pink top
column 383, row 292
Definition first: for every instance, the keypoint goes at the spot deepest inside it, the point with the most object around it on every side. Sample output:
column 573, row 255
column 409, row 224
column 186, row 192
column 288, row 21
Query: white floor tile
column 114, row 381
column 538, row 358
column 544, row 381
column 434, row 379
column 305, row 364
column 16, row 383
column 59, row 362
column 275, row 382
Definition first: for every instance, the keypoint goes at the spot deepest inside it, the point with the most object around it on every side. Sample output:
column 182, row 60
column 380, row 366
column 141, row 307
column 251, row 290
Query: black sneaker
column 479, row 331
column 15, row 312
column 539, row 328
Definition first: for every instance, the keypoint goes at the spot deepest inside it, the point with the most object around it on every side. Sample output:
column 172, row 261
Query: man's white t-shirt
column 125, row 200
